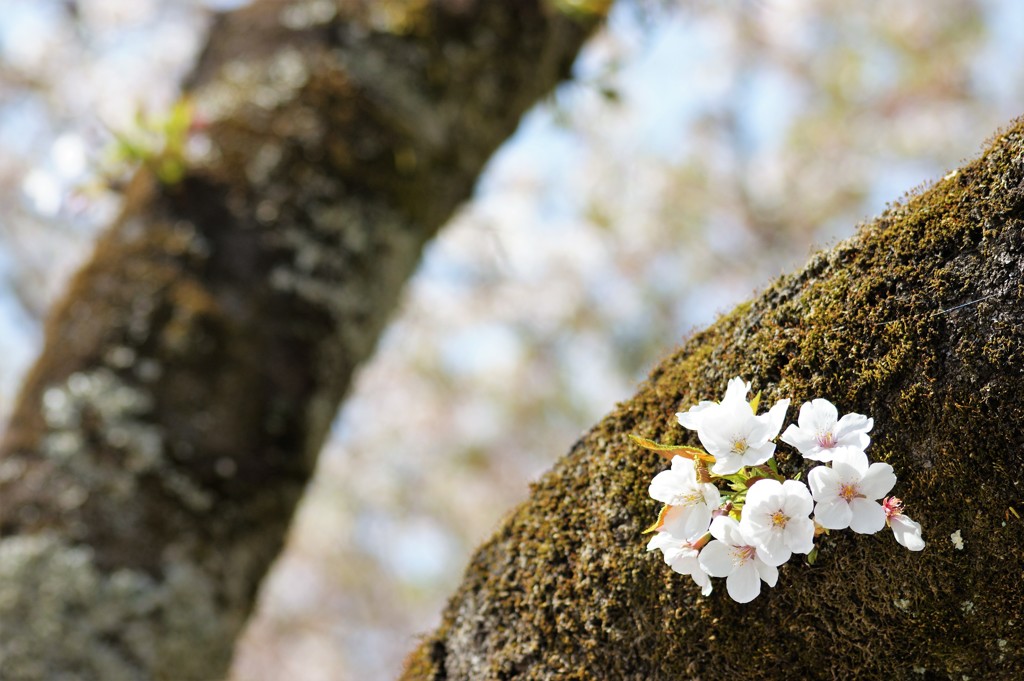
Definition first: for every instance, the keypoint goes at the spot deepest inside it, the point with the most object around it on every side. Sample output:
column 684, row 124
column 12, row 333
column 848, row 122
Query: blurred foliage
column 155, row 142
column 706, row 147
column 583, row 8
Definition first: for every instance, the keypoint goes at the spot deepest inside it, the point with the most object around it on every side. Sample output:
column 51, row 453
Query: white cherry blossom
column 737, row 438
column 681, row 556
column 692, row 501
column 819, row 431
column 906, row 531
column 732, row 555
column 776, row 517
column 731, row 432
column 735, row 391
column 847, row 493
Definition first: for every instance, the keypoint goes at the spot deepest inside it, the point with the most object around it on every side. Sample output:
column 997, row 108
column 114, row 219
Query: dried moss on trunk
column 918, row 321
column 190, row 375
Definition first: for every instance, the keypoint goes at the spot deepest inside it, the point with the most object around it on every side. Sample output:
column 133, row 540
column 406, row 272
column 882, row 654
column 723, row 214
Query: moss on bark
column 917, row 321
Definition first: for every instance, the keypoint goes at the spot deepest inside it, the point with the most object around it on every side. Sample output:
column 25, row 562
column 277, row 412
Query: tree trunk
column 917, row 321
column 190, row 375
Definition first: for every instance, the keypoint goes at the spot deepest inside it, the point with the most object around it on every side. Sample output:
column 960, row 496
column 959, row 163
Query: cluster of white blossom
column 745, row 532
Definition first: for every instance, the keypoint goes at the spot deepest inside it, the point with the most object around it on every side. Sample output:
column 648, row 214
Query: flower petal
column 858, row 441
column 684, row 467
column 703, row 581
column 659, row 541
column 716, row 559
column 736, row 391
column 727, row 463
column 768, row 573
column 744, row 584
column 852, row 427
column 774, row 551
column 907, row 532
column 819, row 454
column 868, row 516
column 799, row 535
column 824, row 483
column 688, row 564
column 671, row 547
column 697, row 522
column 878, row 480
column 846, row 460
column 712, row 497
column 666, row 485
column 818, row 415
column 714, row 435
column 803, row 440
column 755, row 456
column 757, row 430
column 691, row 418
column 676, row 520
column 834, row 514
column 727, row 530
column 775, row 416
column 798, row 500
column 762, row 491
column 685, row 562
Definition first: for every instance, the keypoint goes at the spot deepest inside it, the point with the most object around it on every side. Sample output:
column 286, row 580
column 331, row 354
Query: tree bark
column 917, row 321
column 191, row 373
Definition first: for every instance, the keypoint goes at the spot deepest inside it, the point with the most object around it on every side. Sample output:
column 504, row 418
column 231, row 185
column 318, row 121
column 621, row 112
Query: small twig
column 968, row 303
column 941, row 310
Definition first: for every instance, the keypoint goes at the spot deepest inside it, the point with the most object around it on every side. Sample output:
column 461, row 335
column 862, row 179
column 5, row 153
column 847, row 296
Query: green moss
column 917, row 321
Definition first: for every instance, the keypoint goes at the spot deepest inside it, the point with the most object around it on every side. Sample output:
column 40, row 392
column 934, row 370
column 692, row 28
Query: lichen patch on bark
column 62, row 613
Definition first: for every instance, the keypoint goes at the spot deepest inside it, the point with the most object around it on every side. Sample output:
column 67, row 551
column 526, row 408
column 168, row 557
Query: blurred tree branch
column 918, row 321
column 191, row 372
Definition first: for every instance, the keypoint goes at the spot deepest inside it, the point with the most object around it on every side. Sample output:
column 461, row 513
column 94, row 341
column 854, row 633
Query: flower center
column 687, row 499
column 741, row 554
column 849, row 491
column 739, row 446
column 779, row 519
column 826, row 440
column 892, row 507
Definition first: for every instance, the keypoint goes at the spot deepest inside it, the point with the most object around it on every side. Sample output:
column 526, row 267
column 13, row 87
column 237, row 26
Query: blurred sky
column 705, row 148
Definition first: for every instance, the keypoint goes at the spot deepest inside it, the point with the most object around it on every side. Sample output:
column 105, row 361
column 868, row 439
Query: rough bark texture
column 191, row 373
column 917, row 321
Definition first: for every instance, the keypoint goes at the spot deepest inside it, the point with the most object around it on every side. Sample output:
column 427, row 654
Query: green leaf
column 180, row 118
column 170, row 171
column 128, row 150
column 668, row 451
column 175, row 128
column 756, row 402
column 812, row 556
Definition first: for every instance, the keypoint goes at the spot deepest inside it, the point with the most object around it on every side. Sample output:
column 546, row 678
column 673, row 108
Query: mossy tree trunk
column 190, row 374
column 917, row 321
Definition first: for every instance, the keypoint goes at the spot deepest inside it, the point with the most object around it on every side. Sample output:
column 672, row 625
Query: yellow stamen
column 850, row 491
